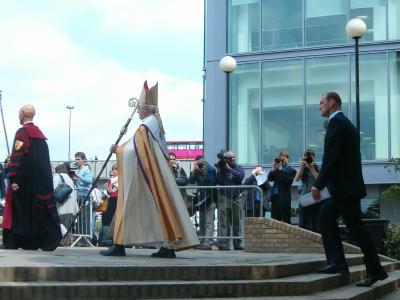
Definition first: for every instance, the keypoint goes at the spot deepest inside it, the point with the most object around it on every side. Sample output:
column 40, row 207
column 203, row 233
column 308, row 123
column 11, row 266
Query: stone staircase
column 240, row 279
column 280, row 262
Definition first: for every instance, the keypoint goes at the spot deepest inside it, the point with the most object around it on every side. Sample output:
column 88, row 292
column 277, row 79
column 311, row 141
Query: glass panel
column 282, row 103
column 394, row 71
column 373, row 105
column 394, row 19
column 373, row 12
column 244, row 26
column 282, row 24
column 323, row 75
column 244, row 109
column 326, row 22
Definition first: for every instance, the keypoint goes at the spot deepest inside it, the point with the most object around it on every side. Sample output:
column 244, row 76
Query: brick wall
column 272, row 236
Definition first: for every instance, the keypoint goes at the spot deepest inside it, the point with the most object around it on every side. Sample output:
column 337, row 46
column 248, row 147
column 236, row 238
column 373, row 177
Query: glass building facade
column 288, row 53
column 274, row 101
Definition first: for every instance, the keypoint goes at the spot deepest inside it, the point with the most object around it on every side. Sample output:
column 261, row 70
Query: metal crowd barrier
column 84, row 224
column 218, row 212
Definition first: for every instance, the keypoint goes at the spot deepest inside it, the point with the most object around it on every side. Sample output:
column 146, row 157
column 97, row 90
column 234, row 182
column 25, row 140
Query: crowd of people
column 146, row 208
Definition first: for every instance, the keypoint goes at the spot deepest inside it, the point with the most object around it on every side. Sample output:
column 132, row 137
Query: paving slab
column 85, row 256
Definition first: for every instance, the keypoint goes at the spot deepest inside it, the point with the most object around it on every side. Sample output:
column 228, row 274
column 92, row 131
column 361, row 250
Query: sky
column 95, row 55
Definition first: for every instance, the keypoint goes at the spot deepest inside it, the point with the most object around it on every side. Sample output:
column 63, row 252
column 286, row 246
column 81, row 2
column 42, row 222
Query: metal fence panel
column 218, row 212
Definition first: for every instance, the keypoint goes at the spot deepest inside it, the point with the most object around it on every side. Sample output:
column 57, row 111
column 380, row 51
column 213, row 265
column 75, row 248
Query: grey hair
column 149, row 108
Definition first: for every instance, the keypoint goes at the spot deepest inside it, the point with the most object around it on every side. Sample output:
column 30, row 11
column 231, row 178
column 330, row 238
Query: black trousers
column 350, row 211
column 280, row 211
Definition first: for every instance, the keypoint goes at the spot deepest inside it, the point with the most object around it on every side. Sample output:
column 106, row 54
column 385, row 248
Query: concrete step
column 305, row 284
column 177, row 272
column 394, row 295
column 388, row 289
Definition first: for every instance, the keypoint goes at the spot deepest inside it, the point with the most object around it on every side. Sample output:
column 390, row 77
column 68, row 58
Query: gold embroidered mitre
column 149, row 96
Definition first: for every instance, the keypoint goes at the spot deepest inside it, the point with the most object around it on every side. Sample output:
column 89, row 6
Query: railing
column 83, row 228
column 218, row 212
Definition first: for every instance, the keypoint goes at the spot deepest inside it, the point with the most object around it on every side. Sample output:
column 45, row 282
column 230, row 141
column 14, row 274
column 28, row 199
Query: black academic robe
column 31, row 217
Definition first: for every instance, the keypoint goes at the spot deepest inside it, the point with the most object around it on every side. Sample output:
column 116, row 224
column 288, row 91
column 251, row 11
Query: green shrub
column 391, row 244
column 392, row 192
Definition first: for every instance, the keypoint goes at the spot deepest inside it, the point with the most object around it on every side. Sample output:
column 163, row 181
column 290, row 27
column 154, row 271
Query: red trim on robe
column 7, row 212
column 34, row 131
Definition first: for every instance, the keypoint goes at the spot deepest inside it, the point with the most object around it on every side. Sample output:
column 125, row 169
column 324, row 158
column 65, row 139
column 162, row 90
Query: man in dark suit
column 341, row 173
column 282, row 174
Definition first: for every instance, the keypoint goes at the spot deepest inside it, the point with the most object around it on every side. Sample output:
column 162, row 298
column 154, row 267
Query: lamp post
column 69, row 131
column 355, row 29
column 227, row 64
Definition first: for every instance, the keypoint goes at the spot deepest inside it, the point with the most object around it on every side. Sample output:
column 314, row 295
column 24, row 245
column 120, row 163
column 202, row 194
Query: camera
column 71, row 167
column 277, row 160
column 308, row 158
column 222, row 160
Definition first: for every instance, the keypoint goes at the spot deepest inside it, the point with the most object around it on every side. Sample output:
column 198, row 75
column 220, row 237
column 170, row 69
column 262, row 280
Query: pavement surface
column 85, row 256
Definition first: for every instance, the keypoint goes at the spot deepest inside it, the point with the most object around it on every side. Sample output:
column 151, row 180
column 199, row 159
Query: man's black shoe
column 114, row 250
column 51, row 246
column 238, row 248
column 381, row 275
column 164, row 253
column 334, row 268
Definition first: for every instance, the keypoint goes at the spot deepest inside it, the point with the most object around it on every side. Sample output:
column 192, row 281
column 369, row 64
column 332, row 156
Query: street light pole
column 356, row 28
column 69, row 131
column 357, row 78
column 227, row 64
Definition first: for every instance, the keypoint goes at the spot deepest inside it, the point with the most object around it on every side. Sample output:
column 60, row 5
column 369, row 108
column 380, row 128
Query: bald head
column 26, row 113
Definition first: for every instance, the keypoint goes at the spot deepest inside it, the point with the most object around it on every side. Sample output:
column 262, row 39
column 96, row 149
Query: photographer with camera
column 308, row 173
column 204, row 174
column 179, row 173
column 282, row 174
column 229, row 208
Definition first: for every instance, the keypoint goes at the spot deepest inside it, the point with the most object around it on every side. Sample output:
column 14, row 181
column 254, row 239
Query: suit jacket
column 251, row 193
column 341, row 170
column 283, row 180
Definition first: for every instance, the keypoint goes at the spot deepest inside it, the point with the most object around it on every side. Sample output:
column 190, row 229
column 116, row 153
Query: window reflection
column 394, row 19
column 373, row 105
column 370, row 208
column 244, row 25
column 394, row 79
column 373, row 12
column 282, row 24
column 282, row 103
column 286, row 101
column 323, row 75
column 325, row 22
column 244, row 113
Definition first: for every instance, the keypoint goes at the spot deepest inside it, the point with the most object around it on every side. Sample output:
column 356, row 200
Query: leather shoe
column 202, row 247
column 51, row 246
column 114, row 250
column 238, row 248
column 335, row 268
column 381, row 275
column 164, row 253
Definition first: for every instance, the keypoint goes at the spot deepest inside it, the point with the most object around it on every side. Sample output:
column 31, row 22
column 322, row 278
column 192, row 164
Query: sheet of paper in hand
column 261, row 178
column 307, row 199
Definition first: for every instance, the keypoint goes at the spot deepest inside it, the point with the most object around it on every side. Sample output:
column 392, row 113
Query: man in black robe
column 30, row 216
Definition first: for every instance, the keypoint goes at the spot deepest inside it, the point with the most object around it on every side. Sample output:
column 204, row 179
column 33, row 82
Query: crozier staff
column 150, row 209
